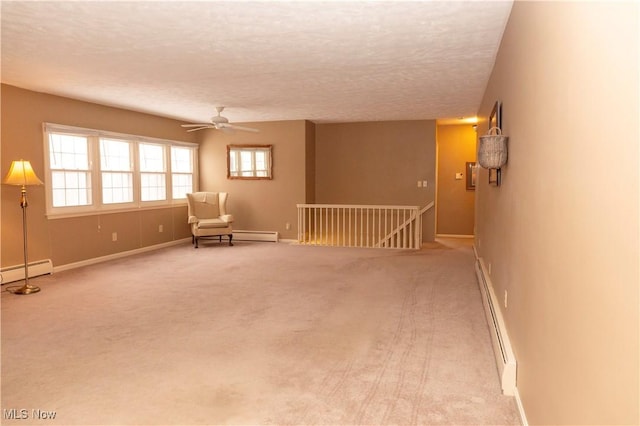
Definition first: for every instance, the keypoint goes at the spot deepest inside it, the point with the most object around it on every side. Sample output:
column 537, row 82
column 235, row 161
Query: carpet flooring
column 258, row 333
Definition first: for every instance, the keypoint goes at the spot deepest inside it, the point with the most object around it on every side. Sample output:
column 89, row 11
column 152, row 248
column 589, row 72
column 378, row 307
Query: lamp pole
column 26, row 288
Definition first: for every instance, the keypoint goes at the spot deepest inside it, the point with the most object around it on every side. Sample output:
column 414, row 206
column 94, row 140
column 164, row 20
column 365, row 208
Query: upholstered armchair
column 208, row 216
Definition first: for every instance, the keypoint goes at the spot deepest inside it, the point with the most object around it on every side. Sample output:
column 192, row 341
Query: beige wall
column 456, row 204
column 561, row 232
column 377, row 163
column 75, row 239
column 262, row 205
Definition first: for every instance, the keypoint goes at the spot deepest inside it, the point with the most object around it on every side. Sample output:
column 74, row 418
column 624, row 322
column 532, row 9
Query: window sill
column 96, row 212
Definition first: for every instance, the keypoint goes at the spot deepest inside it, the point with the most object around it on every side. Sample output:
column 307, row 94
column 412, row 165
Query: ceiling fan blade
column 217, row 122
column 245, row 129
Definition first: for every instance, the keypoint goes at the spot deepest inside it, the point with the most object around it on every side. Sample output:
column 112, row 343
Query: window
column 70, row 172
column 153, row 180
column 249, row 162
column 182, row 168
column 130, row 171
column 116, row 171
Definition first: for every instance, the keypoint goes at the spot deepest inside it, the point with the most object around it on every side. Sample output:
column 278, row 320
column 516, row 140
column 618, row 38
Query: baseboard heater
column 16, row 272
column 271, row 236
column 505, row 360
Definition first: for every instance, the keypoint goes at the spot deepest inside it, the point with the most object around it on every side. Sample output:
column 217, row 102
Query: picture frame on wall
column 471, row 172
column 495, row 118
column 494, row 177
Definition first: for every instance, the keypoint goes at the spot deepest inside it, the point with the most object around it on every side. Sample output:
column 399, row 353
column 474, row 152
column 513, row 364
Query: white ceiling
column 265, row 61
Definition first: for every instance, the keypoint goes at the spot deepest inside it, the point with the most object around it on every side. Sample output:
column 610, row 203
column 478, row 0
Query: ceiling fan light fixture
column 217, row 122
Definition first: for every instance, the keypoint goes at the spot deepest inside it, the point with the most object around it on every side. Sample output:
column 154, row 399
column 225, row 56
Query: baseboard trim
column 454, row 236
column 122, row 254
column 515, row 393
column 505, row 358
column 523, row 415
column 243, row 235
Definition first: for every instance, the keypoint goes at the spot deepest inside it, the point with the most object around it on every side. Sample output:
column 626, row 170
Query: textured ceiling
column 265, row 61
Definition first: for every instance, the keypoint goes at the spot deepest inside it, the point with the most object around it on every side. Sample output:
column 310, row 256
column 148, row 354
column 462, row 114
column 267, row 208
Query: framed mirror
column 250, row 162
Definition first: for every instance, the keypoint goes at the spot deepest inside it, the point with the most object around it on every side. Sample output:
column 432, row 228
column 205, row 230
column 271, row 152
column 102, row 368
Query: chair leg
column 195, row 241
column 230, row 238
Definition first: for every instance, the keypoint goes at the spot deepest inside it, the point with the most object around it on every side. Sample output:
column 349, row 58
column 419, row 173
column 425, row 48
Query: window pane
column 57, row 179
column 261, row 160
column 182, row 184
column 233, row 163
column 68, row 152
column 71, row 188
column 151, row 158
column 181, row 160
column 115, row 155
column 152, row 187
column 245, row 161
column 117, row 188
column 59, row 199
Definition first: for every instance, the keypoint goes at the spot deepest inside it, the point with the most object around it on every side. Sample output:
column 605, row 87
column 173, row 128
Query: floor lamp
column 21, row 174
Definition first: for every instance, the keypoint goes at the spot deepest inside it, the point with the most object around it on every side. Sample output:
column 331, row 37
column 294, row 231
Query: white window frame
column 89, row 171
column 131, row 170
column 175, row 173
column 97, row 206
column 164, row 172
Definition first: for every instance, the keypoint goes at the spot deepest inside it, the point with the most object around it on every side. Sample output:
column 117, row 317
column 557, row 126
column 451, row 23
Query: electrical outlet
column 114, row 236
column 489, row 268
column 424, row 183
column 160, row 228
column 287, row 226
column 505, row 298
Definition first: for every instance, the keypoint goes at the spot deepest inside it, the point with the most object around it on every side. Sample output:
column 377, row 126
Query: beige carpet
column 258, row 333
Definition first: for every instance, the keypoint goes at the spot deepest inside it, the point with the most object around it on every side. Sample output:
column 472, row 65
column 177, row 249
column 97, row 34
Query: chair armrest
column 227, row 217
column 193, row 219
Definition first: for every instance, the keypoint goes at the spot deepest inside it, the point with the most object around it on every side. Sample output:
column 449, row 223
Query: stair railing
column 373, row 226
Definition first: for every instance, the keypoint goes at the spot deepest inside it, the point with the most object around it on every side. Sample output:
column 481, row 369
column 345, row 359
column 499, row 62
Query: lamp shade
column 21, row 173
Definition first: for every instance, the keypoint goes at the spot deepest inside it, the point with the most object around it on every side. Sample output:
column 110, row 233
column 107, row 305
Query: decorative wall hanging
column 492, row 147
column 492, row 151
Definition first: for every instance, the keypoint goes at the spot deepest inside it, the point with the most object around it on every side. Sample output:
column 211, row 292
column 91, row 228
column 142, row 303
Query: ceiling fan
column 218, row 122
